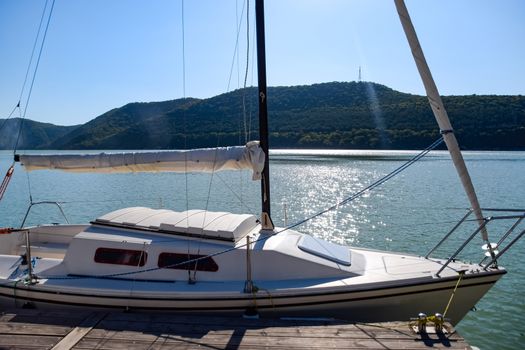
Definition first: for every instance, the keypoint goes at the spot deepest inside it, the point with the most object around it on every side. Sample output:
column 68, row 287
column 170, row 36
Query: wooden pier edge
column 63, row 330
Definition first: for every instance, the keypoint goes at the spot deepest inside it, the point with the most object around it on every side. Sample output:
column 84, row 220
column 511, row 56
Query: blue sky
column 102, row 54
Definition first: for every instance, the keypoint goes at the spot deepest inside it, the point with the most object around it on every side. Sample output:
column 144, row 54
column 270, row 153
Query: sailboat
column 199, row 261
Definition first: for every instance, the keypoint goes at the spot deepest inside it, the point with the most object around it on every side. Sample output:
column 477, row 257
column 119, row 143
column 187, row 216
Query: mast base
column 266, row 222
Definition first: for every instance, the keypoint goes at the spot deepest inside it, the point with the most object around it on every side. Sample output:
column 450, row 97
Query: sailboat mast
column 440, row 113
column 266, row 220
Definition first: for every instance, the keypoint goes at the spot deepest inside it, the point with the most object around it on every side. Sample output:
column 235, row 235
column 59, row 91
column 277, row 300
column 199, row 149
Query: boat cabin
column 161, row 242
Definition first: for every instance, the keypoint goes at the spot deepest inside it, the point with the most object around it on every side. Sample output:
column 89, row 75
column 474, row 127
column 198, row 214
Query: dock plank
column 29, row 328
column 73, row 337
column 395, row 330
column 29, row 341
column 43, row 329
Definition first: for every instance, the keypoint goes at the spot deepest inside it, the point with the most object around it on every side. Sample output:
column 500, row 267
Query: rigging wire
column 9, row 116
column 34, row 73
column 347, row 200
column 218, row 135
column 251, row 100
column 250, row 108
column 235, row 58
column 245, row 122
column 218, row 140
column 183, row 52
column 33, row 52
column 206, row 208
column 10, row 171
column 371, row 186
column 239, row 197
column 185, row 128
column 246, row 119
column 29, row 188
column 29, row 64
column 235, row 50
column 235, row 53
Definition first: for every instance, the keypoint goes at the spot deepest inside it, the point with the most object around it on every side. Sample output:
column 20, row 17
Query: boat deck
column 59, row 329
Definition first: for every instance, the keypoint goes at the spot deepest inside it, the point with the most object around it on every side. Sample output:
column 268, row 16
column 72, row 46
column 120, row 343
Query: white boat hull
column 363, row 303
column 290, row 276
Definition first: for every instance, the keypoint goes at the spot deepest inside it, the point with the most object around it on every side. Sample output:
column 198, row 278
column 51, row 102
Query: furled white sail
column 250, row 156
column 439, row 112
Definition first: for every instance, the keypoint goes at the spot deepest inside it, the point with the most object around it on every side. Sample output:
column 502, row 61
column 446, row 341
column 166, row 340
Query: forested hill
column 34, row 134
column 328, row 115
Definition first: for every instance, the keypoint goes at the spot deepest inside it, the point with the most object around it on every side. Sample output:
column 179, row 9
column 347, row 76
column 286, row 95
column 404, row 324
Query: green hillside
column 329, row 115
column 34, row 135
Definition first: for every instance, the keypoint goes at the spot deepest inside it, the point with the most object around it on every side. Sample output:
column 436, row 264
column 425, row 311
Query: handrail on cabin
column 491, row 247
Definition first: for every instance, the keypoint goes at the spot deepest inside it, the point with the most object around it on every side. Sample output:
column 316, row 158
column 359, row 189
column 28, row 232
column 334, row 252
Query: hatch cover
column 326, row 250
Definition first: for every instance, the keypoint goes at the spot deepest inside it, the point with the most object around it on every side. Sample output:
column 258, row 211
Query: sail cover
column 250, row 156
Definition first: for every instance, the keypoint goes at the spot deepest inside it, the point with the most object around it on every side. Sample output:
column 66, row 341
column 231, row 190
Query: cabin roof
column 199, row 223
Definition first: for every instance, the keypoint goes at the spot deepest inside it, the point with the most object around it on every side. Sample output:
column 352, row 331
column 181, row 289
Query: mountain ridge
column 34, row 134
column 349, row 115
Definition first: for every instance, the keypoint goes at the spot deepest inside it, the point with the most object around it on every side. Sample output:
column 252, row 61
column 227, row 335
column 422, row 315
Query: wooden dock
column 49, row 329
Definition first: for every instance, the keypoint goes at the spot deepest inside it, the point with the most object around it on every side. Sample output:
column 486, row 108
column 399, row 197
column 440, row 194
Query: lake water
column 409, row 213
